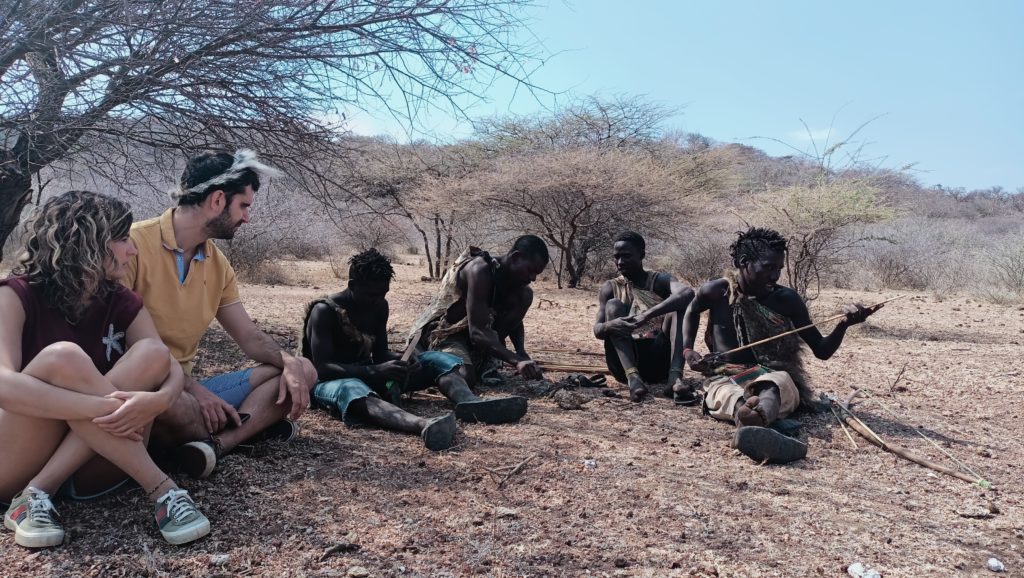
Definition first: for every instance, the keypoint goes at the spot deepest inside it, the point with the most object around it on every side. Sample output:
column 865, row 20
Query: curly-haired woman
column 82, row 372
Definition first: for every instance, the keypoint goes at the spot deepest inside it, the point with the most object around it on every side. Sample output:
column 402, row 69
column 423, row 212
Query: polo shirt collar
column 167, row 235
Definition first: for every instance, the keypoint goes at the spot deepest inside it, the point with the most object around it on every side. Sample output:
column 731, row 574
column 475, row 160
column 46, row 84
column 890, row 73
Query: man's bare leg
column 261, row 407
column 681, row 393
column 437, row 433
column 183, row 422
column 625, row 349
column 472, row 408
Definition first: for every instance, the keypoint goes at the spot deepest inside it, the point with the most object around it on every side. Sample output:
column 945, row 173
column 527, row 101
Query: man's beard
column 222, row 227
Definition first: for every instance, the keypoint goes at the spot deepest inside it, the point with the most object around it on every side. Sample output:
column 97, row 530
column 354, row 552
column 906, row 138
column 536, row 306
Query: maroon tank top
column 100, row 332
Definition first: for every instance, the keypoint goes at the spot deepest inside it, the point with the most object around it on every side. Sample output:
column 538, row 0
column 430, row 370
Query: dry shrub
column 267, row 272
column 824, row 222
column 579, row 200
column 702, row 256
column 1006, row 267
column 339, row 265
column 921, row 254
column 362, row 232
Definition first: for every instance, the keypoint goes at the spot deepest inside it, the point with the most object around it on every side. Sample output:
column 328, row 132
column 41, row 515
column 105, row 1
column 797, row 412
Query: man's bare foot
column 683, row 394
column 748, row 412
column 637, row 389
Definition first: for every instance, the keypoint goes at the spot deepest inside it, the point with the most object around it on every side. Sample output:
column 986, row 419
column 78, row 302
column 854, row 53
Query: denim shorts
column 232, row 387
column 336, row 395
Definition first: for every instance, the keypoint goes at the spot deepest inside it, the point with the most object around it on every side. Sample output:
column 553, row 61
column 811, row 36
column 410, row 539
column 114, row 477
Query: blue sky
column 945, row 79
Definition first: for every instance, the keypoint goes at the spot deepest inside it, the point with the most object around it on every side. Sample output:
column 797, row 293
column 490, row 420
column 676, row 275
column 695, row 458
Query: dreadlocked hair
column 370, row 266
column 754, row 243
column 67, row 248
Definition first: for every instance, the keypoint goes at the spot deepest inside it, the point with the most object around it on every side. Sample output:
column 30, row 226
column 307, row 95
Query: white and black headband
column 244, row 159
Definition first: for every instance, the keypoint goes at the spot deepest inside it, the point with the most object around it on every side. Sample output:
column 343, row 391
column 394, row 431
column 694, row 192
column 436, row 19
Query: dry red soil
column 667, row 497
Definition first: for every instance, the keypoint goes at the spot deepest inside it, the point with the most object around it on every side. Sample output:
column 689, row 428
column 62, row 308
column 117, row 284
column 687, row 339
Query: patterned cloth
column 754, row 322
column 639, row 300
column 722, row 393
column 358, row 346
column 432, row 328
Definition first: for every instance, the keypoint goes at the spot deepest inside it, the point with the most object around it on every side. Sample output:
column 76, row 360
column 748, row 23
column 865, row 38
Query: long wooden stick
column 868, row 434
column 572, row 367
column 568, row 352
column 799, row 329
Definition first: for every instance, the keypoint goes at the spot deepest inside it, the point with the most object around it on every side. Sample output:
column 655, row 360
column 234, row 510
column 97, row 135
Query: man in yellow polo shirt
column 185, row 283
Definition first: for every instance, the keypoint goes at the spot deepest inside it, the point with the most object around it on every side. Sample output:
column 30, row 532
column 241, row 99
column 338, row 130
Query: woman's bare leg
column 67, row 366
column 142, row 368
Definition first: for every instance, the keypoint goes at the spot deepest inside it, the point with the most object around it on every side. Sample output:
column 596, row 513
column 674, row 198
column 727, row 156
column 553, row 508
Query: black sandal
column 684, row 397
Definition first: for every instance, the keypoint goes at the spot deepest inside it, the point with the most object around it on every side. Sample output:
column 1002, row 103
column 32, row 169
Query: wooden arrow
column 874, row 307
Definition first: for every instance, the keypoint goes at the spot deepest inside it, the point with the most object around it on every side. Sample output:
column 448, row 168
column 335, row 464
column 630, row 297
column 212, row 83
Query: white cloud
column 818, row 135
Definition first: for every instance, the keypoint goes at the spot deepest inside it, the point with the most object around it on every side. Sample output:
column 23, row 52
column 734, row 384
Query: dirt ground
column 666, row 495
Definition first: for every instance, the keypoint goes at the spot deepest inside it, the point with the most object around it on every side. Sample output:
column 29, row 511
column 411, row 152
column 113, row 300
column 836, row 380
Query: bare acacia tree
column 417, row 184
column 622, row 122
column 579, row 199
column 273, row 74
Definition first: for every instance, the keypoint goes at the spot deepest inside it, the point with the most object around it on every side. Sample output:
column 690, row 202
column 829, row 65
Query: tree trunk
column 426, row 249
column 437, row 246
column 15, row 192
column 447, row 251
column 571, row 269
column 561, row 268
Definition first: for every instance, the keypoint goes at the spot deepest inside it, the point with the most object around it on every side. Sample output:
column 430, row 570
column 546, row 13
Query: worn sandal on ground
column 580, row 380
column 492, row 411
column 439, row 433
column 685, row 396
column 764, row 444
column 492, row 377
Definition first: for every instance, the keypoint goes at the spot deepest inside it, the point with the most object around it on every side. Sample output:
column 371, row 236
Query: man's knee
column 262, row 374
column 613, row 309
column 182, row 422
column 154, row 360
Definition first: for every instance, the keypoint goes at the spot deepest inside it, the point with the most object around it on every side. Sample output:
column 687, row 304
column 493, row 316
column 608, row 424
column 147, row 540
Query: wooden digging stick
column 411, row 348
column 568, row 352
column 571, row 367
column 868, row 434
column 799, row 329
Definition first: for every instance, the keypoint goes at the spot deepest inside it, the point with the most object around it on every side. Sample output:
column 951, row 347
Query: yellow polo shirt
column 182, row 310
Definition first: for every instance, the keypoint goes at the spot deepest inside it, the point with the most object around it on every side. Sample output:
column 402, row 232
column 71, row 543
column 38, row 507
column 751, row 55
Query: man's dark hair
column 755, row 242
column 633, row 238
column 370, row 267
column 207, row 165
column 533, row 246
